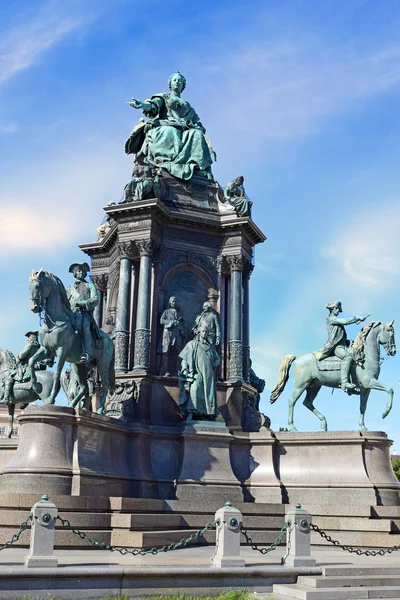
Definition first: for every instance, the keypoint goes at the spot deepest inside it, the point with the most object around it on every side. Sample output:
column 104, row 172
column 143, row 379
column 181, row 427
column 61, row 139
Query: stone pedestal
column 263, row 485
column 335, row 467
column 206, row 467
column 65, row 451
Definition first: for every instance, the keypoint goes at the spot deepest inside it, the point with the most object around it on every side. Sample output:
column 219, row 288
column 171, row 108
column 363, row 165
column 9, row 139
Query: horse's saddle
column 331, row 363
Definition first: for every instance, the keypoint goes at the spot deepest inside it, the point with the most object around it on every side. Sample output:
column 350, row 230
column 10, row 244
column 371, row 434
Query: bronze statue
column 173, row 137
column 210, row 318
column 60, row 338
column 145, row 183
column 109, row 326
column 83, row 299
column 235, row 195
column 197, row 378
column 338, row 344
column 173, row 338
column 20, row 373
column 105, row 226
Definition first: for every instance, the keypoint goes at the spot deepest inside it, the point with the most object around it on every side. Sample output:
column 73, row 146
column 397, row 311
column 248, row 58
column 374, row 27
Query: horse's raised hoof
column 292, row 428
column 385, row 413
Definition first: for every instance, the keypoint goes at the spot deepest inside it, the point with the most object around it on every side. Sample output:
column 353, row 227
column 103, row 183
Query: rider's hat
column 332, row 305
column 28, row 333
column 84, row 266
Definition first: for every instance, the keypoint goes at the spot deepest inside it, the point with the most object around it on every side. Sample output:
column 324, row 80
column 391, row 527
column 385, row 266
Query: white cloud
column 8, row 128
column 367, row 250
column 288, row 89
column 66, row 197
column 23, row 45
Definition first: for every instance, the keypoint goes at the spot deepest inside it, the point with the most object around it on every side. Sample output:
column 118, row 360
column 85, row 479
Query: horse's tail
column 111, row 373
column 283, row 376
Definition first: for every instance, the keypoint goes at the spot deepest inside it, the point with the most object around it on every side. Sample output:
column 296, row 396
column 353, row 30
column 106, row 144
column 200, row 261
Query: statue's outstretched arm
column 349, row 321
column 145, row 106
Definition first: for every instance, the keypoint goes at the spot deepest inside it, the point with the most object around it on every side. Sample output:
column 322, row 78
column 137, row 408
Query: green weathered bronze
column 58, row 337
column 197, row 378
column 235, row 195
column 325, row 367
column 173, row 137
column 15, row 384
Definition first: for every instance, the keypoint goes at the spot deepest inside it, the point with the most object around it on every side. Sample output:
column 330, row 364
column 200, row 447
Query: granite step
column 305, row 592
column 354, row 524
column 350, row 581
column 148, row 539
column 391, row 512
column 365, row 571
column 362, row 539
column 13, row 518
column 339, row 510
column 63, row 538
column 185, row 521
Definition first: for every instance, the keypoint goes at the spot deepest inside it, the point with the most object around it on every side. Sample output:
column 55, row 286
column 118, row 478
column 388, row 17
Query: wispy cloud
column 65, row 206
column 8, row 128
column 367, row 250
column 290, row 88
column 24, row 44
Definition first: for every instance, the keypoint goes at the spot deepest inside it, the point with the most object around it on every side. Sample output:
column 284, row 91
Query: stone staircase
column 364, row 526
column 144, row 523
column 134, row 522
column 341, row 583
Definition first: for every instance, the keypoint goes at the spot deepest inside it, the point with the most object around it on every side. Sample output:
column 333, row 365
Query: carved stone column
column 235, row 331
column 100, row 282
column 247, row 270
column 121, row 339
column 142, row 332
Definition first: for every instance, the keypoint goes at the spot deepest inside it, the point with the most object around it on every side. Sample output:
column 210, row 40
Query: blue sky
column 301, row 96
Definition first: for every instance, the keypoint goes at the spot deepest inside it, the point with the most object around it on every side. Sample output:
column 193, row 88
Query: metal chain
column 25, row 525
column 136, row 551
column 351, row 549
column 270, row 548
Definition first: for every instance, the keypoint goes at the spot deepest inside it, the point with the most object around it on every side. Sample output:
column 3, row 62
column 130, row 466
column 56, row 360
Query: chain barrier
column 136, row 551
column 351, row 549
column 24, row 525
column 265, row 550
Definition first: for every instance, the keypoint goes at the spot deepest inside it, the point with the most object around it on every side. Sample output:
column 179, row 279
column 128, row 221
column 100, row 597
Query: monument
column 159, row 334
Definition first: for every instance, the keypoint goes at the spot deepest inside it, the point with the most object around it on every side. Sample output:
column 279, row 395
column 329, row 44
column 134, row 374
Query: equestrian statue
column 353, row 367
column 69, row 332
column 15, row 382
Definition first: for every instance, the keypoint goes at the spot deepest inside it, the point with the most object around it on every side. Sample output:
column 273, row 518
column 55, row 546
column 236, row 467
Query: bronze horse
column 58, row 338
column 23, row 393
column 309, row 377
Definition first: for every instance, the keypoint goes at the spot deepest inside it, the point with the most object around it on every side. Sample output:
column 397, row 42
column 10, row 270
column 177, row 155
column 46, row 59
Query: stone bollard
column 44, row 516
column 227, row 543
column 298, row 539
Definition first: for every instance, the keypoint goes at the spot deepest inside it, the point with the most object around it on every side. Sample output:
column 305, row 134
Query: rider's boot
column 86, row 342
column 345, row 374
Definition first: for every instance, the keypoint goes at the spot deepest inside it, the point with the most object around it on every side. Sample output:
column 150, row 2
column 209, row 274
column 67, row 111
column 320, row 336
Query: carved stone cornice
column 235, row 262
column 100, row 281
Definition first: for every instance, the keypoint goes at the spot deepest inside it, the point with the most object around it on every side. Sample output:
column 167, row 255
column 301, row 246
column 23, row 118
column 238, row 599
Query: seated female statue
column 173, row 137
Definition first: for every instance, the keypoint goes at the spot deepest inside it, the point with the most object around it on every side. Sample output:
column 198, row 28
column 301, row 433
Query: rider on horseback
column 337, row 343
column 83, row 298
column 19, row 373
